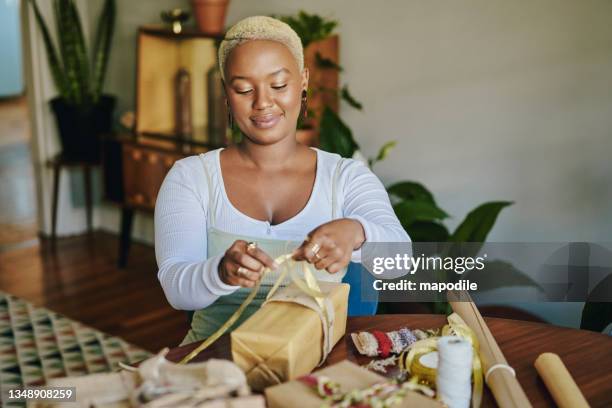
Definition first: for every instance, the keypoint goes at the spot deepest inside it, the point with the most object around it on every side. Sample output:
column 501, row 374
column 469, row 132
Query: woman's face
column 264, row 90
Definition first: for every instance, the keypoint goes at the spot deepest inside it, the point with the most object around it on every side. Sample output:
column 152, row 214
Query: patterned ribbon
column 383, row 394
column 308, row 285
column 408, row 360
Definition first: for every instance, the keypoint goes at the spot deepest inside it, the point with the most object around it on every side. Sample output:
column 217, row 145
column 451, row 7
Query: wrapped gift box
column 349, row 376
column 284, row 339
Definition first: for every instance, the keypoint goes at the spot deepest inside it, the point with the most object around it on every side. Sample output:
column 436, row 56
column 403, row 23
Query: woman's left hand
column 330, row 245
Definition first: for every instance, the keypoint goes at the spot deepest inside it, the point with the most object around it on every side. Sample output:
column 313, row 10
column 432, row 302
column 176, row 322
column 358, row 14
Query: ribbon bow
column 307, row 285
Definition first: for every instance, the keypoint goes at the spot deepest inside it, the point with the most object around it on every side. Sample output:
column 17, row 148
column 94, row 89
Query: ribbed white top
column 191, row 281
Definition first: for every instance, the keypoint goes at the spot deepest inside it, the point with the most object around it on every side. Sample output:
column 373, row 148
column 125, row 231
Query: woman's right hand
column 242, row 264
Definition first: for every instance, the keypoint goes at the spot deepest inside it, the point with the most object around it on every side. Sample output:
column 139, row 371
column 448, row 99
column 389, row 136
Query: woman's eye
column 243, row 92
column 279, row 86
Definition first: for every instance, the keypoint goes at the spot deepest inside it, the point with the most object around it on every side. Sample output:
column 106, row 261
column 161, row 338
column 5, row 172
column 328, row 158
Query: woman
column 223, row 216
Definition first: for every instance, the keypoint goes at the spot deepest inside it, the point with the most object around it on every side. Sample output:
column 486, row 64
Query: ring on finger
column 251, row 245
column 242, row 271
column 317, row 256
column 315, row 248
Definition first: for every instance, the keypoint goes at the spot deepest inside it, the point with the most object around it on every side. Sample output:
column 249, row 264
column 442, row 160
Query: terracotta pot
column 210, row 15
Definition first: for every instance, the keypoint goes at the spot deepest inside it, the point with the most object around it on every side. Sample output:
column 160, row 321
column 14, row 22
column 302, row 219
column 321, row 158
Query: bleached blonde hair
column 260, row 28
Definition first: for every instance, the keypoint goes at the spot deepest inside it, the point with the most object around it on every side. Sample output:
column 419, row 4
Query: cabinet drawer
column 143, row 173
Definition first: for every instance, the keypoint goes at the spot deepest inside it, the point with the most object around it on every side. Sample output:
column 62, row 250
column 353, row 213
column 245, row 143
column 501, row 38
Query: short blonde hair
column 260, row 28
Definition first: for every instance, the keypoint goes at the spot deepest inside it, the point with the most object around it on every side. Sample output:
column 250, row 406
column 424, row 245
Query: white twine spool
column 454, row 375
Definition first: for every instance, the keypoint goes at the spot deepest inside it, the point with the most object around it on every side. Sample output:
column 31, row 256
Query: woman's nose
column 262, row 100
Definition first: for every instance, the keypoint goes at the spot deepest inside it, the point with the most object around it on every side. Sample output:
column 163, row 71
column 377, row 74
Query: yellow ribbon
column 308, row 285
column 409, row 359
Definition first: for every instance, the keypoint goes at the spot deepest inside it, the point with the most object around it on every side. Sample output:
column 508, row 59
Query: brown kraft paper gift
column 286, row 338
column 349, row 376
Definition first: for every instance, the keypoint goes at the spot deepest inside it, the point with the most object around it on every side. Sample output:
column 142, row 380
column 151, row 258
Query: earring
column 230, row 119
column 304, row 109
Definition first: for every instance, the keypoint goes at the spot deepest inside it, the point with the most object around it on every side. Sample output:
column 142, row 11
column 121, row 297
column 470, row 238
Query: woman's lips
column 265, row 121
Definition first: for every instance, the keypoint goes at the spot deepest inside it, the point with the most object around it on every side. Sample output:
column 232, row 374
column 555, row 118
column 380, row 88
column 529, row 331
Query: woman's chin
column 267, row 135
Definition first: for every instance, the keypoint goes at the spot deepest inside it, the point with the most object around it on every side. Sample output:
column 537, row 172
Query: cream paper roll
column 559, row 381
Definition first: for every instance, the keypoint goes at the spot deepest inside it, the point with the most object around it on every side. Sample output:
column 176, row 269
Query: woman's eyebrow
column 237, row 77
column 279, row 71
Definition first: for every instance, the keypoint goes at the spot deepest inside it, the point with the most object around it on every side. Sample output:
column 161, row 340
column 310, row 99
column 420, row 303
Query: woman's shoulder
column 190, row 171
column 194, row 165
column 334, row 162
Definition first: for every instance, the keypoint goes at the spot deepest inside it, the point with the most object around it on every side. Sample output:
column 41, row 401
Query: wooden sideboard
column 134, row 168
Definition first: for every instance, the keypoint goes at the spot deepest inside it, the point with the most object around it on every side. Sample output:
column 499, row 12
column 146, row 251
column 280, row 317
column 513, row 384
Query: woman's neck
column 270, row 157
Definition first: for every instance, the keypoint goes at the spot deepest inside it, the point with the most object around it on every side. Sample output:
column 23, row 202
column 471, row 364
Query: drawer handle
column 136, row 154
column 153, row 158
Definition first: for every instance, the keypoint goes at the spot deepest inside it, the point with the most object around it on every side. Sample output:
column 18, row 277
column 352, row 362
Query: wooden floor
column 81, row 280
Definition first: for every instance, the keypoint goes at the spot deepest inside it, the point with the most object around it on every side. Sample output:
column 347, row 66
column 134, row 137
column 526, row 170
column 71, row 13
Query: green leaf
column 67, row 39
column 348, row 98
column 309, row 27
column 104, row 37
column 410, row 211
column 427, row 231
column 411, row 190
column 326, row 63
column 80, row 54
column 479, row 222
column 383, row 152
column 335, row 136
column 55, row 64
column 596, row 316
column 498, row 274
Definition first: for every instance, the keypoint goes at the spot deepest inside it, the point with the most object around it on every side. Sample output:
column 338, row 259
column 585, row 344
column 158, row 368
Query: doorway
column 18, row 208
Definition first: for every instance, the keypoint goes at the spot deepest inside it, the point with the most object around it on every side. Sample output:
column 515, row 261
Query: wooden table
column 587, row 355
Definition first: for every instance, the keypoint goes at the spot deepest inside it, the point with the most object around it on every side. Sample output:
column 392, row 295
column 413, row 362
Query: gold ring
column 316, row 255
column 315, row 248
column 251, row 245
column 241, row 271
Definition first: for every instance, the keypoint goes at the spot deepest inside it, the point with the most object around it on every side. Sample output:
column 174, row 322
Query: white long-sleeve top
column 190, row 279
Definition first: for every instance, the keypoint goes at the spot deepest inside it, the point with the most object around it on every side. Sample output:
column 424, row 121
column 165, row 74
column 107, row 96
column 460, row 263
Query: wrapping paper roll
column 499, row 375
column 559, row 381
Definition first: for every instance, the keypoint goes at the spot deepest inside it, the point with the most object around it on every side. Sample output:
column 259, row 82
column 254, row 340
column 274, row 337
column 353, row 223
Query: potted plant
column 210, row 15
column 82, row 111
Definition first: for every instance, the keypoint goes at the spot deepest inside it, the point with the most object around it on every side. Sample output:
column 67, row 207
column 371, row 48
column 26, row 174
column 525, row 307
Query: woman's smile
column 266, row 121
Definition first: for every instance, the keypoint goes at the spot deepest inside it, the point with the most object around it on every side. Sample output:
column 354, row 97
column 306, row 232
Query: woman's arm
column 367, row 201
column 367, row 217
column 189, row 280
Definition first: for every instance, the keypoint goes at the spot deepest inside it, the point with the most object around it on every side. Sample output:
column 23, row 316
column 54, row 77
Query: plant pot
column 210, row 15
column 80, row 128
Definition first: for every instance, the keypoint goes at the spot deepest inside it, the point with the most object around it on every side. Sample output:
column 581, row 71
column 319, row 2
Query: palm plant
column 78, row 76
